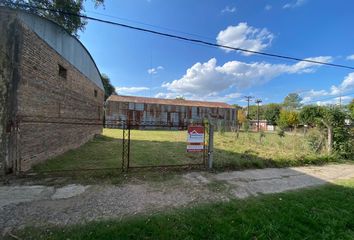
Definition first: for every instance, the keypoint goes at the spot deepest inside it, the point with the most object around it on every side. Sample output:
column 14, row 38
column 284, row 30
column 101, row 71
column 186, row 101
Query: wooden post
column 210, row 146
column 330, row 139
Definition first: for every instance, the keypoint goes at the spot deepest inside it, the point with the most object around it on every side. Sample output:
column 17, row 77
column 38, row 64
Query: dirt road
column 46, row 205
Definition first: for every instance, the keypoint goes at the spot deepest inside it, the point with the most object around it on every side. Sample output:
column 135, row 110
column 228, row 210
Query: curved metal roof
column 68, row 46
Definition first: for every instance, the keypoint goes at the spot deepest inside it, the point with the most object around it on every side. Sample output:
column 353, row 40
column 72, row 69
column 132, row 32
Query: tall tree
column 72, row 23
column 310, row 114
column 253, row 112
column 333, row 118
column 108, row 87
column 288, row 119
column 292, row 101
column 241, row 117
column 271, row 112
column 351, row 108
column 180, row 98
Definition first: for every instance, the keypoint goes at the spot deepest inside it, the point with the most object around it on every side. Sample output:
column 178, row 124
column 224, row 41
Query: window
column 139, row 106
column 95, row 92
column 62, row 71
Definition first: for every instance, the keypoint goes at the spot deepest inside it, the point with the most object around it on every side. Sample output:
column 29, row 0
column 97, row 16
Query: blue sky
column 147, row 65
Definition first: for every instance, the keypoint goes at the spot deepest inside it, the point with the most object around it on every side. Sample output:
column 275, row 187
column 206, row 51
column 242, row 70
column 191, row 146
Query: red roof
column 176, row 102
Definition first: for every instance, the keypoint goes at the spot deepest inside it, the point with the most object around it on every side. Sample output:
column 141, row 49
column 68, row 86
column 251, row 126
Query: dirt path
column 42, row 205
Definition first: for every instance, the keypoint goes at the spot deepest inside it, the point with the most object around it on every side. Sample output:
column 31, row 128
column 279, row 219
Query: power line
column 193, row 40
column 329, row 98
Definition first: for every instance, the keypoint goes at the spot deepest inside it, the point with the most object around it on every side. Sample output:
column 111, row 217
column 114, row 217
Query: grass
column 325, row 212
column 155, row 147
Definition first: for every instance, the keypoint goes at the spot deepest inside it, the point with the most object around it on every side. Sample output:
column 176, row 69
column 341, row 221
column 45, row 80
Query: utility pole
column 340, row 100
column 248, row 99
column 258, row 101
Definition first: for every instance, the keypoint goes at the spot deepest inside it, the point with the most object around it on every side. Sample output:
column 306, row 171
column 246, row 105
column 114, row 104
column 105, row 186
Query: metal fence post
column 210, row 146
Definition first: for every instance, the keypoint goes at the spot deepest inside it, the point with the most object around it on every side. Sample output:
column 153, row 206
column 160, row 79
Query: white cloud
column 334, row 101
column 130, row 90
column 295, row 4
column 268, row 7
column 246, row 37
column 228, row 9
column 166, row 95
column 215, row 97
column 233, row 95
column 344, row 87
column 310, row 95
column 155, row 70
column 350, row 57
column 208, row 78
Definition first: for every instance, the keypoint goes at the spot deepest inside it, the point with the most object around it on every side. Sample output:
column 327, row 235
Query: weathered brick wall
column 56, row 114
column 9, row 77
column 41, row 113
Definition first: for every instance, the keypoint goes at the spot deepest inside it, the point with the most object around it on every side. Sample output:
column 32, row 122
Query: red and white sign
column 195, row 139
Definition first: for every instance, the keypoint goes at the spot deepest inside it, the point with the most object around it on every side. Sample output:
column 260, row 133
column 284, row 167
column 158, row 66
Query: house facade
column 51, row 93
column 263, row 125
column 174, row 112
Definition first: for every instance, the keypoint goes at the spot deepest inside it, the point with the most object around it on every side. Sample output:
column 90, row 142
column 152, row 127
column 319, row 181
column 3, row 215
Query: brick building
column 175, row 112
column 51, row 94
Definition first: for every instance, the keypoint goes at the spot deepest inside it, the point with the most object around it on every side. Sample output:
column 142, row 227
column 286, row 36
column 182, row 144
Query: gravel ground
column 47, row 205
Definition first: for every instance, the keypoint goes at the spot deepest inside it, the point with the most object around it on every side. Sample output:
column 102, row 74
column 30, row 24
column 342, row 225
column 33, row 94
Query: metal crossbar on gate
column 127, row 126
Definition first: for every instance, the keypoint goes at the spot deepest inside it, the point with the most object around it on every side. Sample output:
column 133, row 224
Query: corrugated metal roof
column 68, row 46
column 177, row 102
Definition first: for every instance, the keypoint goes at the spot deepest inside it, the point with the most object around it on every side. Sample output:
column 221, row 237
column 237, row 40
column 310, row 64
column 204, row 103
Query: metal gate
column 128, row 127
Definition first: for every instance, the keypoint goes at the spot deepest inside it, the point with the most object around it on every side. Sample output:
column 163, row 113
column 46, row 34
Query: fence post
column 210, row 146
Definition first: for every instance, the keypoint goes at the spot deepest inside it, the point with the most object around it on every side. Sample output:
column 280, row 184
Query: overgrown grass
column 325, row 212
column 153, row 147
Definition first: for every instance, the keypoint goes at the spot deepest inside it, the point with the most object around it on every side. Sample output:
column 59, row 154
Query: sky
column 142, row 64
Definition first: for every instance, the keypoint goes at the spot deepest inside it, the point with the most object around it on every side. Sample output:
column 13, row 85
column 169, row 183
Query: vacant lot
column 319, row 213
column 153, row 147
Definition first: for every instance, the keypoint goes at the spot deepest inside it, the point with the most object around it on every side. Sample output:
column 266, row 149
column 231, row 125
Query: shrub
column 315, row 140
column 281, row 133
column 221, row 127
column 246, row 126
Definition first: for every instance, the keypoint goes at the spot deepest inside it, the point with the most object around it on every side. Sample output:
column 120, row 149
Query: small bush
column 246, row 126
column 221, row 127
column 315, row 140
column 281, row 133
column 261, row 135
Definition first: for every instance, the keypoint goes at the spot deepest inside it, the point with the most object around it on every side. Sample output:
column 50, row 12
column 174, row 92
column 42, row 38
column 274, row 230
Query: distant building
column 175, row 112
column 263, row 125
column 51, row 93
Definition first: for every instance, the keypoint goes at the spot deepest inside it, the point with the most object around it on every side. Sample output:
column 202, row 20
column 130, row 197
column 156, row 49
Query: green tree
column 253, row 112
column 271, row 112
column 180, row 98
column 339, row 137
column 71, row 22
column 241, row 117
column 351, row 108
column 108, row 87
column 288, row 119
column 292, row 101
column 309, row 115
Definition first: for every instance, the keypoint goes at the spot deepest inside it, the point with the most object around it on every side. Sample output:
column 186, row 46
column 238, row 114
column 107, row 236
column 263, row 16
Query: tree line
column 334, row 124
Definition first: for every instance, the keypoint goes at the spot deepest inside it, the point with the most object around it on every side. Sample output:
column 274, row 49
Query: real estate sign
column 195, row 139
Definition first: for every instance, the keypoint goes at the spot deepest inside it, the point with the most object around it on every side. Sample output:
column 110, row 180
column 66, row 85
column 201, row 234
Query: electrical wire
column 193, row 40
column 329, row 98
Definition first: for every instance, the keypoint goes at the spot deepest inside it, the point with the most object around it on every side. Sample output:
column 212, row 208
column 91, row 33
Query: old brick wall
column 55, row 113
column 9, row 78
column 41, row 113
